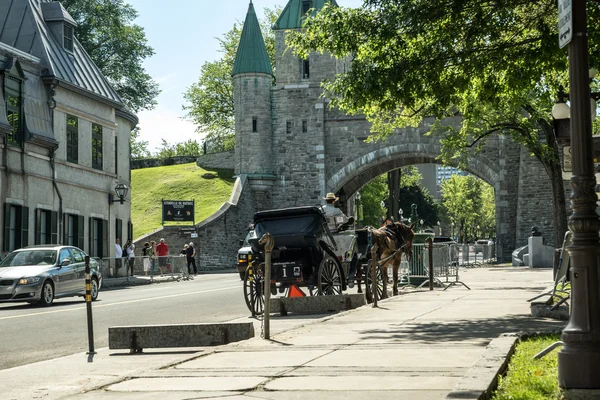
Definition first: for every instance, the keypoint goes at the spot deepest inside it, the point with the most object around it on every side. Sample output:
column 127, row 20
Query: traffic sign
column 565, row 22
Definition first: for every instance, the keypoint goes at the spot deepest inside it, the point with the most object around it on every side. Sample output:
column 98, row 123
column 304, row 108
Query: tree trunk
column 558, row 202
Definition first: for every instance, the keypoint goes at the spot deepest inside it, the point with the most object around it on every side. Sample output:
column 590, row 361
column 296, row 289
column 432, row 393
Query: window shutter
column 24, row 226
column 81, row 232
column 54, row 227
column 38, row 227
column 105, row 236
column 119, row 231
column 6, row 227
column 93, row 251
column 65, row 228
column 129, row 230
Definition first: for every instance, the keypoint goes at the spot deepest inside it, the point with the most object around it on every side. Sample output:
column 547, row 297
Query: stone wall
column 223, row 160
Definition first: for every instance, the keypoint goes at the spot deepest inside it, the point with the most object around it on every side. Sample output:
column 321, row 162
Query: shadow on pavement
column 464, row 329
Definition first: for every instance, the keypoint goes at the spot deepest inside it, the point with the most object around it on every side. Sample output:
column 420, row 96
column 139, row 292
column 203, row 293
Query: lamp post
column 121, row 191
column 453, row 224
column 401, row 212
column 579, row 359
column 420, row 225
column 358, row 205
column 439, row 224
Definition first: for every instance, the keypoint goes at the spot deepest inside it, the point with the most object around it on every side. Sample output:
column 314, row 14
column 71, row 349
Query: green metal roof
column 291, row 16
column 252, row 54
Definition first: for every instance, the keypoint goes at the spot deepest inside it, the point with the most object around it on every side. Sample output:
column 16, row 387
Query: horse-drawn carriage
column 306, row 254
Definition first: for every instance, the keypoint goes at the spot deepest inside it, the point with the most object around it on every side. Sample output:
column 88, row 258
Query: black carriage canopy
column 290, row 227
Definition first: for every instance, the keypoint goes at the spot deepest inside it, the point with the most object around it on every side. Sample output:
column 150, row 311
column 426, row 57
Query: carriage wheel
column 253, row 289
column 330, row 276
column 367, row 280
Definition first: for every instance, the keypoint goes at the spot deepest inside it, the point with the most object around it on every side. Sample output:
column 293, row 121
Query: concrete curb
column 545, row 310
column 317, row 304
column 481, row 380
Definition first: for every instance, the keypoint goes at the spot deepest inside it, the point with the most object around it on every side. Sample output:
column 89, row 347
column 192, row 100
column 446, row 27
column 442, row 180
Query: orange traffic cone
column 295, row 292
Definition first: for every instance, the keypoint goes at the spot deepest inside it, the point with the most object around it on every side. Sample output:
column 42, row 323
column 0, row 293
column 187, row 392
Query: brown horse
column 389, row 243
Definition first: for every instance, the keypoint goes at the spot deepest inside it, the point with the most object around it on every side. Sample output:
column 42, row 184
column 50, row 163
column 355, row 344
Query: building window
column 72, row 139
column 288, row 127
column 97, row 146
column 99, row 238
column 254, row 124
column 116, row 157
column 46, row 227
column 16, row 227
column 14, row 112
column 305, row 69
column 73, row 234
column 304, row 126
column 68, row 37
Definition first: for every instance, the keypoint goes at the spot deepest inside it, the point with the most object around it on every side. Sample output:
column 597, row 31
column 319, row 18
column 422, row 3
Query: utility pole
column 579, row 359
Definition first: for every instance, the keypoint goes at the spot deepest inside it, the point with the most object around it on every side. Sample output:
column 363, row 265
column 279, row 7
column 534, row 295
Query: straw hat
column 331, row 196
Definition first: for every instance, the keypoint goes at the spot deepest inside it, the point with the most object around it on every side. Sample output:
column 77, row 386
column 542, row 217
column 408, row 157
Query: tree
column 139, row 148
column 496, row 64
column 210, row 100
column 188, row 148
column 117, row 46
column 470, row 203
column 411, row 192
column 371, row 196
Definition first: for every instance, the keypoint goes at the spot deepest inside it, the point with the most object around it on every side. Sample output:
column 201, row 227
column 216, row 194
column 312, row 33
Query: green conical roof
column 252, row 54
column 291, row 16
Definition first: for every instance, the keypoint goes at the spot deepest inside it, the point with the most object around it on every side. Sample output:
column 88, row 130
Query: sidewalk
column 414, row 346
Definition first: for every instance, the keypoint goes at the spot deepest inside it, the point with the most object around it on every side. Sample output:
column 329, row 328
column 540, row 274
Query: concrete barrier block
column 139, row 337
column 316, row 304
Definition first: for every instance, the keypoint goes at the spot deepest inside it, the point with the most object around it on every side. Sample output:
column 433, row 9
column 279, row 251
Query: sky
column 183, row 34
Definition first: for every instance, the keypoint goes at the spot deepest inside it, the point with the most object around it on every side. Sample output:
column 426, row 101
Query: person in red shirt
column 162, row 251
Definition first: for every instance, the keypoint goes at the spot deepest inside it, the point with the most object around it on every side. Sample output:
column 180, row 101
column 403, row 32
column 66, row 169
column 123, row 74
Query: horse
column 388, row 244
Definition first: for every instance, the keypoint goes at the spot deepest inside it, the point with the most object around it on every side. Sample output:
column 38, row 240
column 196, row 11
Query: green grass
column 176, row 182
column 529, row 379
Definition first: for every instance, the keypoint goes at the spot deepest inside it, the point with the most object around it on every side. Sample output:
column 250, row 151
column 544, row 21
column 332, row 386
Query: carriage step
column 317, row 304
column 137, row 338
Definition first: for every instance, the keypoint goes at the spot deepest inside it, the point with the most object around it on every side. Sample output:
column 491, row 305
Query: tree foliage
column 139, row 148
column 371, row 196
column 496, row 64
column 187, row 148
column 210, row 100
column 117, row 46
column 470, row 203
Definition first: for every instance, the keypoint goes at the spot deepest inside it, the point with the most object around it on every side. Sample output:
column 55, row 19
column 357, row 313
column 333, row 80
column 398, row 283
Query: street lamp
column 421, row 225
column 121, row 191
column 579, row 359
column 439, row 224
column 357, row 205
column 453, row 224
column 401, row 212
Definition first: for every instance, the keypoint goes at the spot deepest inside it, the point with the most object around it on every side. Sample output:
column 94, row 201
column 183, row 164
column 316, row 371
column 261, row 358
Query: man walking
column 190, row 254
column 162, row 251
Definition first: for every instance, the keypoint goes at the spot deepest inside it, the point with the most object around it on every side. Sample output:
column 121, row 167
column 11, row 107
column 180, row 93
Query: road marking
column 119, row 303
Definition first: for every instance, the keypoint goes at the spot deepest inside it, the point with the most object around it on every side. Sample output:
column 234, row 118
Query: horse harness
column 392, row 232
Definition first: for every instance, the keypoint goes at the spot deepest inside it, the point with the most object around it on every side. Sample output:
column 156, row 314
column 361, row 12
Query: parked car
column 244, row 255
column 40, row 274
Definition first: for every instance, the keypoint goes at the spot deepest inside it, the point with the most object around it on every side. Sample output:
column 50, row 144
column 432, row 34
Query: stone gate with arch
column 292, row 148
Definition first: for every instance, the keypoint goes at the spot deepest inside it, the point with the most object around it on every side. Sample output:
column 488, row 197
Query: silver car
column 40, row 274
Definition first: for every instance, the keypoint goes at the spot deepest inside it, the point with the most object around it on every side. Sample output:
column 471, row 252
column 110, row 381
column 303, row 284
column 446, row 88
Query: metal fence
column 445, row 266
column 477, row 255
column 166, row 267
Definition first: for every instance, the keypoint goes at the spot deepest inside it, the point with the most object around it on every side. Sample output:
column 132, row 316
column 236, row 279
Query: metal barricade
column 445, row 266
column 144, row 269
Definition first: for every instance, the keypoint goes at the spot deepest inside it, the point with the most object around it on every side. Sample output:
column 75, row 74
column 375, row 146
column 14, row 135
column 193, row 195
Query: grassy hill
column 175, row 182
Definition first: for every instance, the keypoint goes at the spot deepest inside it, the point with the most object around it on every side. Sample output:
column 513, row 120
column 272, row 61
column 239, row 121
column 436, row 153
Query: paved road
column 31, row 334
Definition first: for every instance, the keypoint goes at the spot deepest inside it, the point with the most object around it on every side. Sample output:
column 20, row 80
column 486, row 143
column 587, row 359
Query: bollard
column 267, row 241
column 373, row 273
column 429, row 244
column 88, row 302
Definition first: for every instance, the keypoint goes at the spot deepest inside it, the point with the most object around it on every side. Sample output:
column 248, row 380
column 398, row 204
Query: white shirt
column 335, row 217
column 118, row 250
column 130, row 250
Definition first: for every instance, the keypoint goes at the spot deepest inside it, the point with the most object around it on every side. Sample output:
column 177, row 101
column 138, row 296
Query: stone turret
column 253, row 79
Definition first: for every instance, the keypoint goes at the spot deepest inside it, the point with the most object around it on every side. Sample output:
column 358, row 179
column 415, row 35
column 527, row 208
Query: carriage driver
column 336, row 219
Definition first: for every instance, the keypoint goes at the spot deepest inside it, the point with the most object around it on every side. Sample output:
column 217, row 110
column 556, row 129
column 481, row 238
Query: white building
column 64, row 136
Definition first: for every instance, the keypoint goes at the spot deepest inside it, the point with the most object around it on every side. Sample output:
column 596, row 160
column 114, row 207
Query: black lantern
column 121, row 191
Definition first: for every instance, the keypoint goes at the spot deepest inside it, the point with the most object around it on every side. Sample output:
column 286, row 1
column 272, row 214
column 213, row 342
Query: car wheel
column 47, row 295
column 94, row 289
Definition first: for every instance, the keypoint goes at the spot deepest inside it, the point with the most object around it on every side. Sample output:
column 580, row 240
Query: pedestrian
column 146, row 259
column 118, row 255
column 190, row 253
column 162, row 251
column 130, row 252
column 152, row 254
column 183, row 251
